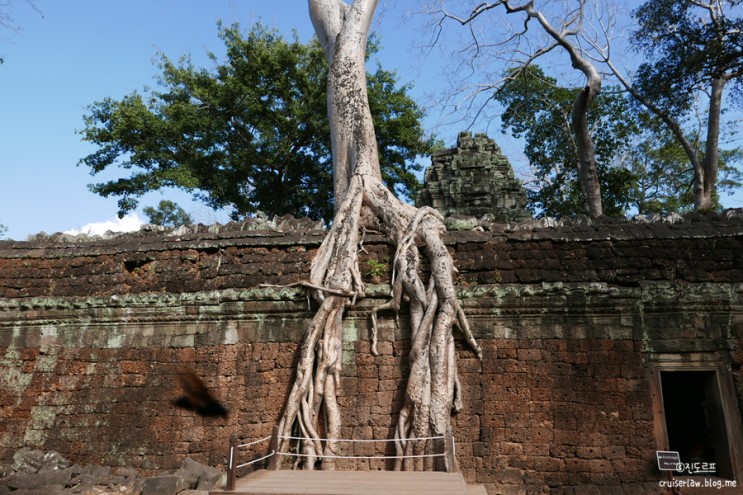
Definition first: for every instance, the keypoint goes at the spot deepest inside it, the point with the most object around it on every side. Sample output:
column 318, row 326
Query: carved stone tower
column 473, row 179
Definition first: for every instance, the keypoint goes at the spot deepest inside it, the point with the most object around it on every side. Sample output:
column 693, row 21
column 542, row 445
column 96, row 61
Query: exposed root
column 433, row 389
column 317, row 378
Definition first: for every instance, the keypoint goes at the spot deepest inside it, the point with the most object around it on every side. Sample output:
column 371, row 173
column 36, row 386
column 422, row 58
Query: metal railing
column 274, row 453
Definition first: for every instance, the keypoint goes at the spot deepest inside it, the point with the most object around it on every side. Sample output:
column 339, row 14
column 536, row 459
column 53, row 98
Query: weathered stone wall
column 622, row 254
column 474, row 178
column 570, row 320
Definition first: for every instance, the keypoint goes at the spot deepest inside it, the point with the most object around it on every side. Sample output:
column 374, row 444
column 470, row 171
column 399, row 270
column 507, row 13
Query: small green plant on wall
column 375, row 269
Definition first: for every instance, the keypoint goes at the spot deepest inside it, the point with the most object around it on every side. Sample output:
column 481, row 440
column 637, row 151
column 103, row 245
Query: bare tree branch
column 564, row 35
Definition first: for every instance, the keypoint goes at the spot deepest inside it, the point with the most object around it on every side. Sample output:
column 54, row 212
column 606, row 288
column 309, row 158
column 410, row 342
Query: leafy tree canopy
column 252, row 134
column 167, row 214
column 538, row 110
column 688, row 46
column 663, row 174
column 642, row 167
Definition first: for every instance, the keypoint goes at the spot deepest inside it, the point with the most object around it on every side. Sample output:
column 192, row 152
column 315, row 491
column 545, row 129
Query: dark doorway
column 695, row 420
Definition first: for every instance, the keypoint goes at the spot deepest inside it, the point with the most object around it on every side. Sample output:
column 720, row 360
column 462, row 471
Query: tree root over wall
column 433, row 390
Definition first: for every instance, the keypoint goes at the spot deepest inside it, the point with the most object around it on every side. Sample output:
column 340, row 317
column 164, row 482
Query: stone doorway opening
column 694, row 418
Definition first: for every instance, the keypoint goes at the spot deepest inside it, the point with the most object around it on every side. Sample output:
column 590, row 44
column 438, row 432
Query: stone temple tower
column 473, row 179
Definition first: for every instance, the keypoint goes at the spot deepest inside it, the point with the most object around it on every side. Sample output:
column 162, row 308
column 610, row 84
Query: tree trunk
column 705, row 169
column 587, row 171
column 704, row 183
column 362, row 200
column 342, row 31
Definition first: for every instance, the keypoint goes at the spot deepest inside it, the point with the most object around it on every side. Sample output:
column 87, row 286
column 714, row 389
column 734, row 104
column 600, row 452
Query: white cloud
column 129, row 223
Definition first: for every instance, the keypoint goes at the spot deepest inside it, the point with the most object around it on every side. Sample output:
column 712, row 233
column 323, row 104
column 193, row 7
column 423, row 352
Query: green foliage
column 3, row 230
column 662, row 171
column 642, row 167
column 693, row 52
column 167, row 214
column 685, row 51
column 540, row 111
column 376, row 268
column 251, row 134
column 663, row 174
column 664, row 177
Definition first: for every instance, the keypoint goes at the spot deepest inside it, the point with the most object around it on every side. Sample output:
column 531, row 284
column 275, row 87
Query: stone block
column 33, row 481
column 199, row 476
column 45, row 490
column 212, row 479
column 589, row 452
column 95, row 470
column 164, row 485
column 27, row 460
column 125, row 472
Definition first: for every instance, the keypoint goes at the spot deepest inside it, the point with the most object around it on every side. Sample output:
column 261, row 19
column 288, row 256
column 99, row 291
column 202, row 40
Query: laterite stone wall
column 571, row 320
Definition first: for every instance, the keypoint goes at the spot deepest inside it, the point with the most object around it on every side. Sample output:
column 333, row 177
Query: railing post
column 232, row 464
column 450, row 457
column 273, row 463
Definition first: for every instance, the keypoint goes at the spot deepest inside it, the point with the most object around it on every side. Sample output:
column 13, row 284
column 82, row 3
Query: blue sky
column 71, row 53
column 75, row 52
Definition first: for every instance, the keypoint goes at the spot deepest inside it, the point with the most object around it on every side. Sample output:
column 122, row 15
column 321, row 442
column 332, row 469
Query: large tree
column 693, row 51
column 363, row 201
column 248, row 135
column 561, row 32
column 694, row 45
column 642, row 167
column 661, row 172
column 538, row 110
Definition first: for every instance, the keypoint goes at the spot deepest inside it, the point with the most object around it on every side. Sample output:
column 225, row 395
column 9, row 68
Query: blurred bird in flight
column 196, row 397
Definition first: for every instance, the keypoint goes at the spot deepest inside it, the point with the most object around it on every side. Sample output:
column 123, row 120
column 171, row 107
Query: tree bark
column 343, row 31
